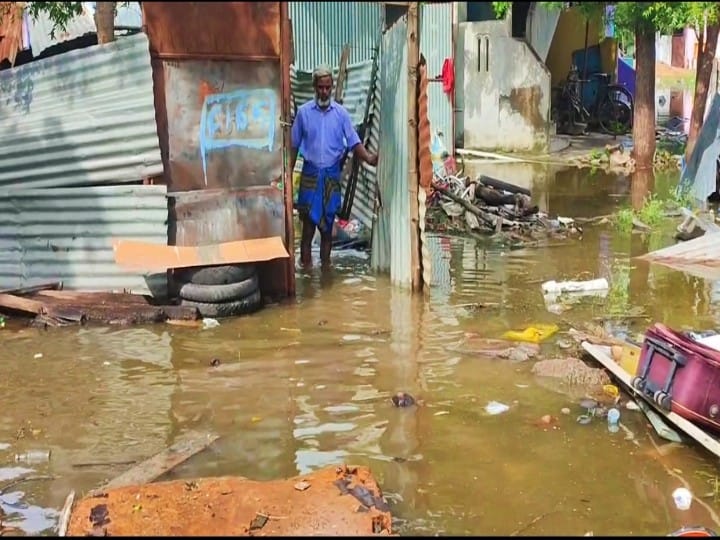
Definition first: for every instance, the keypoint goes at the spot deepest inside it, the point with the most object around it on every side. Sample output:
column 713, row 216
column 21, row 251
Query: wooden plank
column 95, row 297
column 162, row 462
column 603, row 355
column 26, row 305
column 33, row 289
column 65, row 514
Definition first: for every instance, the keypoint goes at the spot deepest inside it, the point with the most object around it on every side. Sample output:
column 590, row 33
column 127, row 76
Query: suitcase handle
column 662, row 395
column 670, row 352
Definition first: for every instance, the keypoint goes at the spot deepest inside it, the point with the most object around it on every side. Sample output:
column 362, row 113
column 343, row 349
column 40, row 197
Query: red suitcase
column 680, row 374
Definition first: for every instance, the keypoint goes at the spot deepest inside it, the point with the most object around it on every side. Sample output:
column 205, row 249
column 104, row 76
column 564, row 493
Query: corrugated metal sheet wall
column 67, row 233
column 436, row 24
column 86, row 117
column 391, row 236
column 320, row 29
column 357, row 85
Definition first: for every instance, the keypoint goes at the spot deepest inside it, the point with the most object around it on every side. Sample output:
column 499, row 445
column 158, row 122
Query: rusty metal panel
column 215, row 216
column 425, row 166
column 230, row 30
column 11, row 31
column 223, row 122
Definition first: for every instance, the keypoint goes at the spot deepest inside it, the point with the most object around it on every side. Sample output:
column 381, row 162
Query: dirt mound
column 343, row 501
column 571, row 371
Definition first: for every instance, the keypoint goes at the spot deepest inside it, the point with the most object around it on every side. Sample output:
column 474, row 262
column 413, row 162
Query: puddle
column 294, row 395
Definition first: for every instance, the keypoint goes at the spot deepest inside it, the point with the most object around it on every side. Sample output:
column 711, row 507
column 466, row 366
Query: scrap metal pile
column 490, row 206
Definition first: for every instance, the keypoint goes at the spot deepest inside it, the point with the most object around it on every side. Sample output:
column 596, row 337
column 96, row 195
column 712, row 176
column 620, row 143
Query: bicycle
column 612, row 109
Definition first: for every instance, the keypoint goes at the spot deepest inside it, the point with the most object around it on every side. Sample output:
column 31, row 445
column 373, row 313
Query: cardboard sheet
column 149, row 257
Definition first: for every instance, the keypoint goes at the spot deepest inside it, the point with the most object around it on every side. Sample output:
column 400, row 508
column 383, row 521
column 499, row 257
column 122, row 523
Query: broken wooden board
column 55, row 308
column 604, row 356
column 162, row 462
column 149, row 257
column 340, row 501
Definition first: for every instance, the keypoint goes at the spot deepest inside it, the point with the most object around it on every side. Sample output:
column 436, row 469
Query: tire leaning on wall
column 221, row 291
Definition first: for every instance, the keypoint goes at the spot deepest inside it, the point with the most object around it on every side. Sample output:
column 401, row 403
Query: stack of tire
column 220, row 291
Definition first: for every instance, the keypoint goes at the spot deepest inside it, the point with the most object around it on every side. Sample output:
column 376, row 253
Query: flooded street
column 306, row 385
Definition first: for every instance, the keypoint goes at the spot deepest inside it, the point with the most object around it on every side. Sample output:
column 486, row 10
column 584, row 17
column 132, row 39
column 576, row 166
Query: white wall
column 506, row 102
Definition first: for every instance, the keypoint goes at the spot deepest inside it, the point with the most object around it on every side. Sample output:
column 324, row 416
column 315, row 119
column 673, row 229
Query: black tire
column 214, row 294
column 217, row 275
column 247, row 305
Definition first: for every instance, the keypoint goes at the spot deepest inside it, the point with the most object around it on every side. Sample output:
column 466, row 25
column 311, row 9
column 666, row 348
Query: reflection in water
column 308, row 384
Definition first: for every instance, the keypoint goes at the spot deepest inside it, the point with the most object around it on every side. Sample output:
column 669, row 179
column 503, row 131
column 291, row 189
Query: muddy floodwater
column 309, row 384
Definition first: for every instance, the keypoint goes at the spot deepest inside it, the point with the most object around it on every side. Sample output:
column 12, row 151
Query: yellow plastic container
column 630, row 359
column 532, row 334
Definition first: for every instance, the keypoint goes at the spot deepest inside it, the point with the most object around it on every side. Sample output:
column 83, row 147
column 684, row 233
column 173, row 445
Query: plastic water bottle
column 613, row 418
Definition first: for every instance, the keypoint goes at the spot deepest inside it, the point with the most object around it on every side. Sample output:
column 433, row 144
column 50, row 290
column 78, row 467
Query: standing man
column 324, row 130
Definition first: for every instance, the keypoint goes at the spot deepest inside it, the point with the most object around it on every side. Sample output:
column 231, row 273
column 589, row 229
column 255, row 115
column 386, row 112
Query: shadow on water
column 309, row 384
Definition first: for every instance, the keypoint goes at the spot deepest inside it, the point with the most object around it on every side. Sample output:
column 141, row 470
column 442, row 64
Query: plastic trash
column 495, row 407
column 532, row 334
column 210, row 323
column 33, row 456
column 613, row 419
column 557, row 287
column 683, row 498
column 693, row 531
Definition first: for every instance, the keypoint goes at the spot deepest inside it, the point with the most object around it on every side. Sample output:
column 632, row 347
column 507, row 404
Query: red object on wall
column 448, row 76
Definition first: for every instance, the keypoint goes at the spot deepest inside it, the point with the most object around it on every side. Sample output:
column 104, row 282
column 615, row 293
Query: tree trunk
column 644, row 114
column 703, row 72
column 105, row 21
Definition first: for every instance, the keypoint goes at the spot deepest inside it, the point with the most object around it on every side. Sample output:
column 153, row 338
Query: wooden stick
column 53, row 285
column 65, row 514
column 162, row 462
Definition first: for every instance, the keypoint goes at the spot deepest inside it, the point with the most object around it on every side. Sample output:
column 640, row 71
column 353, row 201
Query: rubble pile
column 490, row 206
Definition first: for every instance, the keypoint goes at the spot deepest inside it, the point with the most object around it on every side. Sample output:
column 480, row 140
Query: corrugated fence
column 436, row 46
column 391, row 237
column 67, row 233
column 71, row 125
column 320, row 29
column 86, row 117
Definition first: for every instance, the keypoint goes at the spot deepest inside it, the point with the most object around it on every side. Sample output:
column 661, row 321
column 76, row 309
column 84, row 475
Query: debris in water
column 442, row 413
column 683, row 498
column 215, row 362
column 33, row 456
column 302, row 485
column 210, row 323
column 632, row 406
column 571, row 371
column 402, row 399
column 565, row 410
column 38, row 355
column 532, row 334
column 495, row 407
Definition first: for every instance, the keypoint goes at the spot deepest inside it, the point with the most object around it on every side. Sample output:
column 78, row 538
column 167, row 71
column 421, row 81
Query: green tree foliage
column 60, row 13
column 663, row 16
